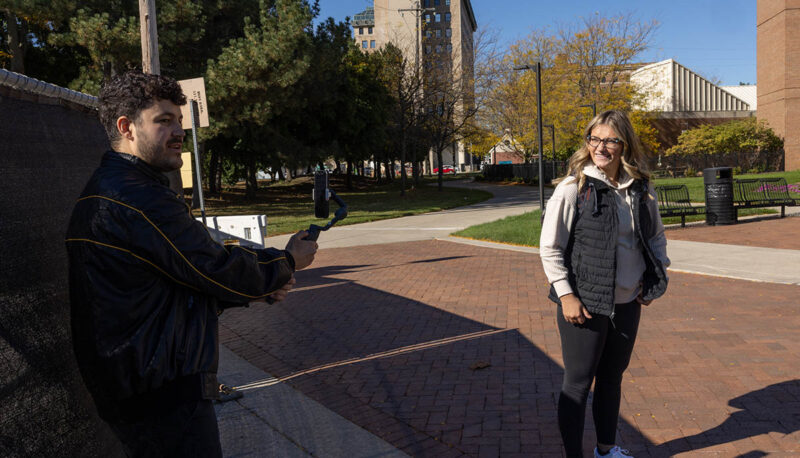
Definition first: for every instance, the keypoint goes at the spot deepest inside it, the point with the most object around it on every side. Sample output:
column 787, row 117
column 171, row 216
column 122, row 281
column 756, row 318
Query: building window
column 364, row 44
column 449, row 48
column 439, row 17
column 428, row 49
column 372, row 43
column 428, row 33
column 438, row 33
column 448, row 32
column 447, row 17
column 447, row 2
column 427, row 3
column 369, row 30
column 436, row 2
column 427, row 18
column 438, row 48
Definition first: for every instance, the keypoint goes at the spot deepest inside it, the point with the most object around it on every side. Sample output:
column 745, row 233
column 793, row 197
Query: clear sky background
column 715, row 38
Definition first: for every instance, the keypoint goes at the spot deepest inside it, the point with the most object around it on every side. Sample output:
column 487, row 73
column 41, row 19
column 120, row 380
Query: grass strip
column 521, row 229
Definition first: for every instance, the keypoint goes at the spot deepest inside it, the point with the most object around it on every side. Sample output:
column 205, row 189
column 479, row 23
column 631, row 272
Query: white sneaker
column 615, row 452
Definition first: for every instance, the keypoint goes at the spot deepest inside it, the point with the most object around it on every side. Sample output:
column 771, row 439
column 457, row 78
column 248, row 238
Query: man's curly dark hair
column 130, row 93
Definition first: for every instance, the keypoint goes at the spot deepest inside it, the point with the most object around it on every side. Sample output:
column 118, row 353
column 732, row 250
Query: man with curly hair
column 147, row 281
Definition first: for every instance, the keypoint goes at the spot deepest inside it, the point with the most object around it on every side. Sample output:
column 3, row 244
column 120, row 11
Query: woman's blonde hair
column 633, row 156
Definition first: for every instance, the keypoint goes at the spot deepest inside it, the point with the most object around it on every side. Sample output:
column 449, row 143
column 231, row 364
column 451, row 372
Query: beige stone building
column 428, row 32
column 778, row 73
column 679, row 99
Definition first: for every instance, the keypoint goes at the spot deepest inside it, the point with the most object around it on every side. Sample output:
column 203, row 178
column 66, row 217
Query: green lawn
column 521, row 229
column 289, row 206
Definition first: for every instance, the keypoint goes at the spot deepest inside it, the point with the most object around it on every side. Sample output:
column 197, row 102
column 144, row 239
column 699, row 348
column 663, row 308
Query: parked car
column 445, row 169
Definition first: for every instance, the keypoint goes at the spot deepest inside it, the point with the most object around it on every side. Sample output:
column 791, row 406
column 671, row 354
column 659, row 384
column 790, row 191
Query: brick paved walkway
column 769, row 233
column 445, row 349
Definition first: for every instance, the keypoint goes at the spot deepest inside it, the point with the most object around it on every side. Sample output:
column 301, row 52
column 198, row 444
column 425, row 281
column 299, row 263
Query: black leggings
column 597, row 350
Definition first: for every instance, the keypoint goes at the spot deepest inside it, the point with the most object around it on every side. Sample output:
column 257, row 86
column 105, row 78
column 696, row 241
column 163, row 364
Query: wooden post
column 149, row 33
column 152, row 65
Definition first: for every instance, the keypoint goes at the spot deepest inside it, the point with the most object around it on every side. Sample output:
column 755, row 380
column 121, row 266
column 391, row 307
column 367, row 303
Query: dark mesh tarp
column 48, row 150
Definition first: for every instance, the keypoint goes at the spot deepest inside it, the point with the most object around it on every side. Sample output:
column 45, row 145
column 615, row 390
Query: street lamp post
column 553, row 137
column 593, row 106
column 538, row 69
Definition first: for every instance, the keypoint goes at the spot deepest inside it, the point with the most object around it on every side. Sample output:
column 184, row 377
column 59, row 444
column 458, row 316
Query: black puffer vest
column 591, row 254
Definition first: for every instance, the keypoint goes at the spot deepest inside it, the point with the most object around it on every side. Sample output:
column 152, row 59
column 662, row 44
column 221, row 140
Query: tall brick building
column 431, row 32
column 778, row 48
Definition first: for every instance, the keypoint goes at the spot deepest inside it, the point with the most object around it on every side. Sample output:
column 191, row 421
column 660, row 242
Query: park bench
column 673, row 200
column 762, row 192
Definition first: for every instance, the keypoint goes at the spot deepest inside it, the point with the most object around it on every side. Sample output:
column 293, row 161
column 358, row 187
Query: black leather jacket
column 147, row 282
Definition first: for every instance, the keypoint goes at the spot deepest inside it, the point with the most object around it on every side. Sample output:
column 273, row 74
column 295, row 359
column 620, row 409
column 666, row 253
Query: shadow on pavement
column 429, row 381
column 770, row 409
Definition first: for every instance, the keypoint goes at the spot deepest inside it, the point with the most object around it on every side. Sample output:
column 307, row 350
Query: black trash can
column 719, row 196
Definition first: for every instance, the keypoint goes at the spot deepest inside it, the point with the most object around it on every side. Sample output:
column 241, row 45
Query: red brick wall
column 778, row 48
column 515, row 158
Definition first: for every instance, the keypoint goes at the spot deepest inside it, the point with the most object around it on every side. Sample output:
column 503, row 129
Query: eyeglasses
column 610, row 143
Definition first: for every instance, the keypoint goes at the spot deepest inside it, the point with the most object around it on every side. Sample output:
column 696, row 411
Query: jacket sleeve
column 556, row 227
column 658, row 241
column 166, row 235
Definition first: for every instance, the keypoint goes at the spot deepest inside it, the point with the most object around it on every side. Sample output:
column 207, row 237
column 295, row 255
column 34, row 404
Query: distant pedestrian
column 604, row 253
column 147, row 281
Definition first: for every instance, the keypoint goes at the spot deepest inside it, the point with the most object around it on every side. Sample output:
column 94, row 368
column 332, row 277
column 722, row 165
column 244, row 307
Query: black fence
column 49, row 148
column 527, row 172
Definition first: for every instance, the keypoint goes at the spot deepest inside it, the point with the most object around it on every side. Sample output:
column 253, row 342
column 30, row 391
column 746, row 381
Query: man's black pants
column 187, row 430
column 597, row 350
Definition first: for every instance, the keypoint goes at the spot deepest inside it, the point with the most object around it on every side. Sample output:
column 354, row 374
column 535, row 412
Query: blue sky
column 716, row 38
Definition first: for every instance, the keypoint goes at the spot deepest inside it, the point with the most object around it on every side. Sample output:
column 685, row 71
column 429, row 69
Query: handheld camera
column 322, row 194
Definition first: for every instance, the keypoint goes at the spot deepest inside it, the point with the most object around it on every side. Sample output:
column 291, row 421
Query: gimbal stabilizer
column 321, row 210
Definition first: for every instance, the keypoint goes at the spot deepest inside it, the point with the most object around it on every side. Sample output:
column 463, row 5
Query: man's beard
column 157, row 155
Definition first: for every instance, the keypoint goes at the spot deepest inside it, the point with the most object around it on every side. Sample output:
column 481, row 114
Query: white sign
column 194, row 89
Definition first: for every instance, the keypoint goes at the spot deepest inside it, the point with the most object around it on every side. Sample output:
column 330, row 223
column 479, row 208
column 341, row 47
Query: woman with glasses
column 605, row 255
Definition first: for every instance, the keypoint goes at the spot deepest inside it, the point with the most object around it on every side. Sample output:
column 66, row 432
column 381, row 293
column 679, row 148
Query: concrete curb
column 273, row 419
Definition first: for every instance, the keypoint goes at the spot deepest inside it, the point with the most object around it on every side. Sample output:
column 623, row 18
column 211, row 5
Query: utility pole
column 152, row 65
column 417, row 10
column 538, row 69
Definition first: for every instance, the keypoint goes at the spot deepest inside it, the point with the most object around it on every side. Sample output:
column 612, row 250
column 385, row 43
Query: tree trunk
column 349, row 176
column 403, row 146
column 389, row 171
column 213, row 170
column 440, row 178
column 14, row 44
column 251, row 182
column 281, row 176
column 338, row 168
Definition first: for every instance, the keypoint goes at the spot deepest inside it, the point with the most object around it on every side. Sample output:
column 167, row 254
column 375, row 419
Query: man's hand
column 278, row 295
column 302, row 250
column 574, row 311
column 640, row 300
